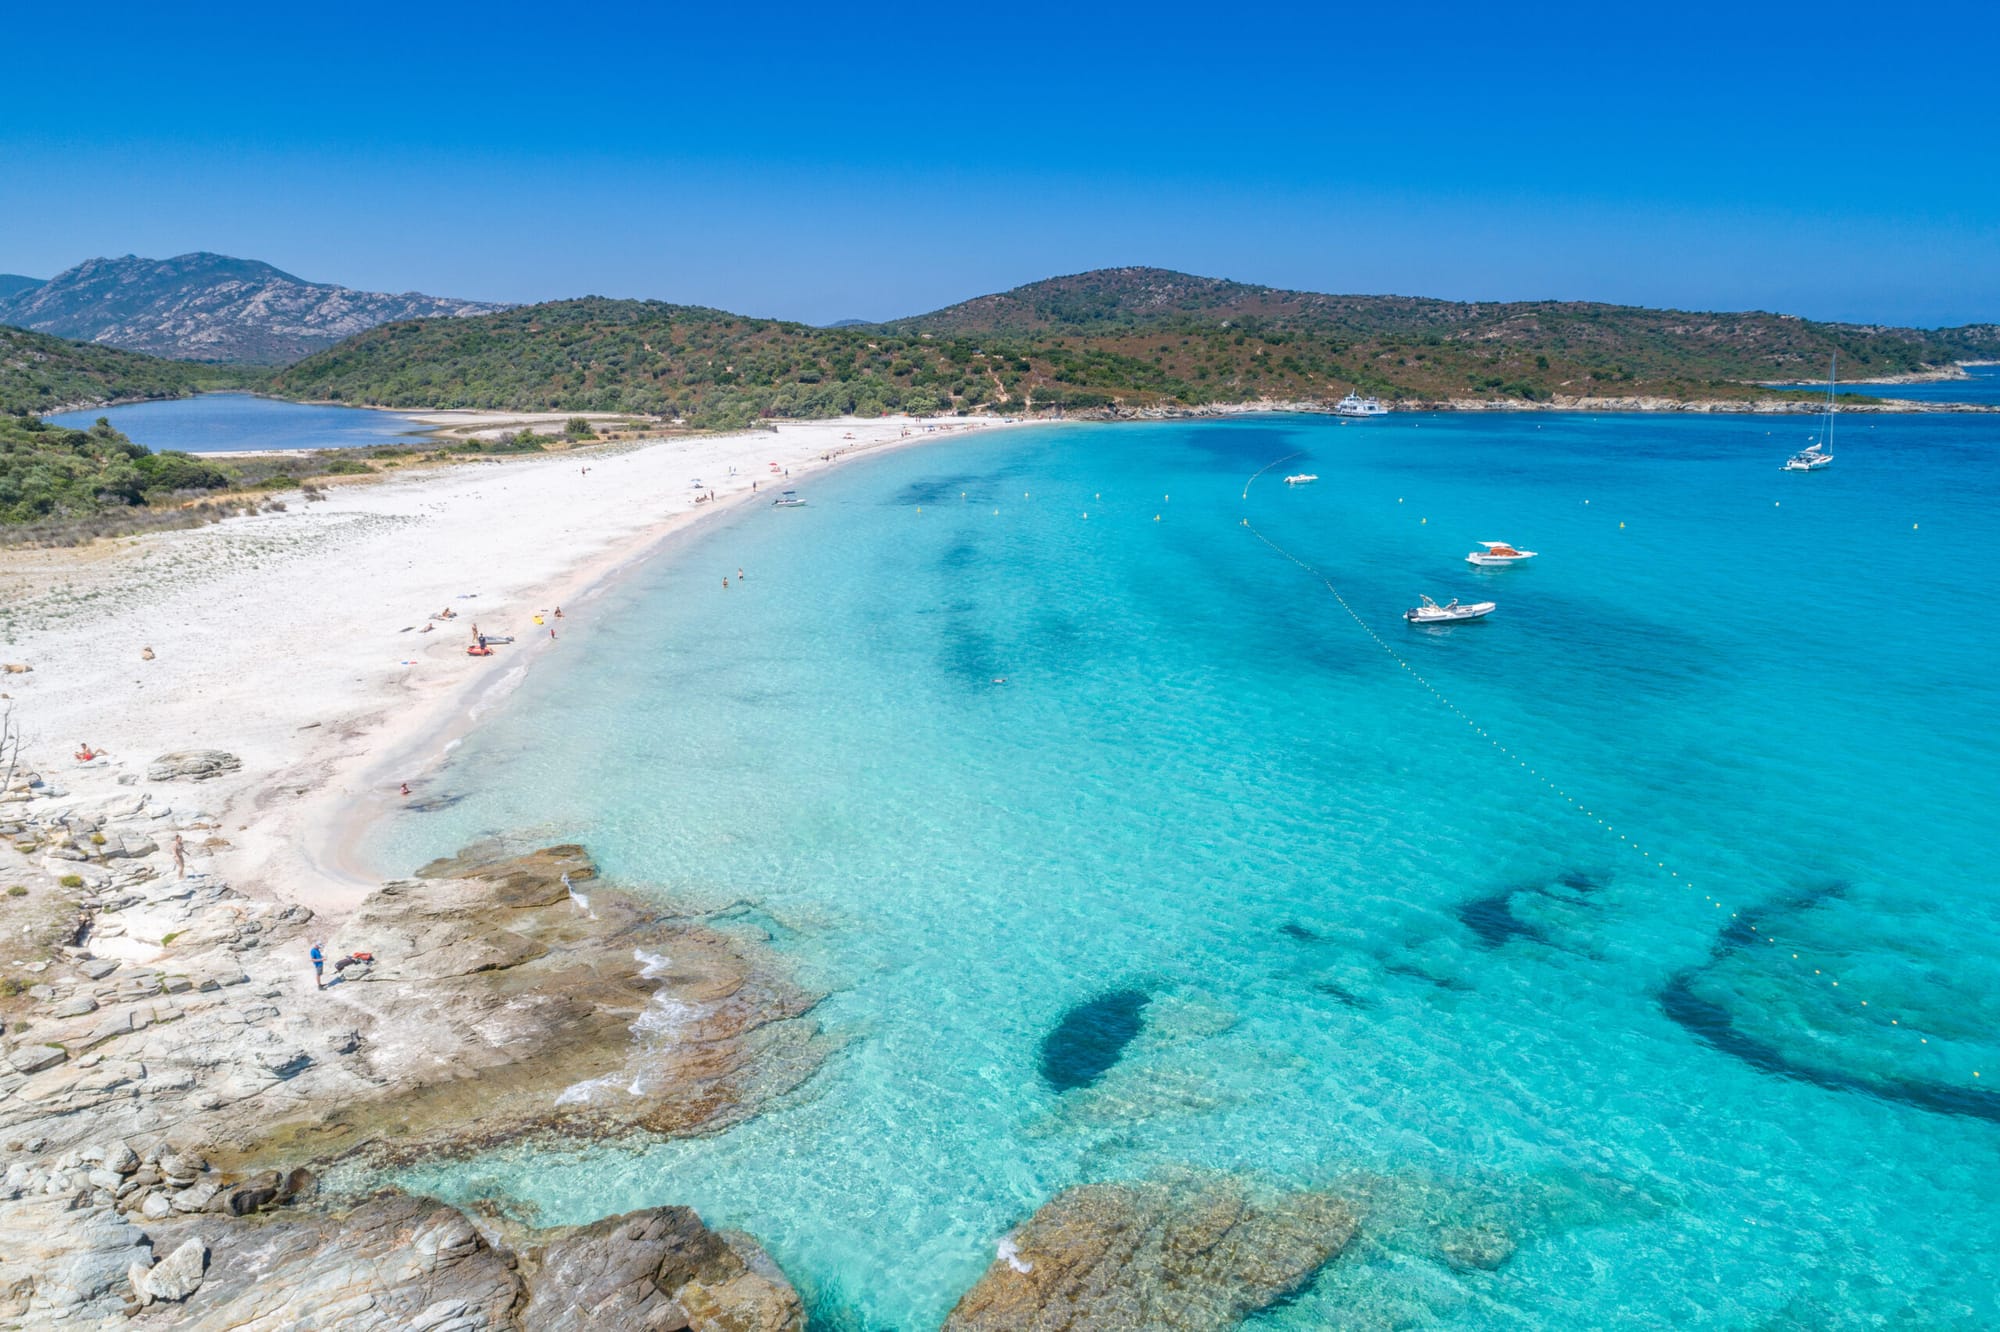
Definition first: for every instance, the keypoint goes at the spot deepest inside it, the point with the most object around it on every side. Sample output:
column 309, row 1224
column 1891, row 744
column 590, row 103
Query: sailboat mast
column 1832, row 373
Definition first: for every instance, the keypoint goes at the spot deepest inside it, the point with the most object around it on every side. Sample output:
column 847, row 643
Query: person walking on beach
column 180, row 858
column 319, row 966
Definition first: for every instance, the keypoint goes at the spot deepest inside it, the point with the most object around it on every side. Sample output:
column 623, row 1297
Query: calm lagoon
column 245, row 423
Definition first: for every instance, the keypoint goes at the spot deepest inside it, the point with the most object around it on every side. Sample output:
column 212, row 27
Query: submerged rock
column 1091, row 1036
column 1190, row 1254
column 1485, row 1247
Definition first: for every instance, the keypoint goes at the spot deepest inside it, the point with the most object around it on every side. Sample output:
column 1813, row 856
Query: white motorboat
column 789, row 500
column 1819, row 453
column 1498, row 553
column 1302, row 479
column 1450, row 613
column 1356, row 405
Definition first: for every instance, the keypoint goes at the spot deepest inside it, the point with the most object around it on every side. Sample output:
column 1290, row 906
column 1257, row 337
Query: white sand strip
column 281, row 637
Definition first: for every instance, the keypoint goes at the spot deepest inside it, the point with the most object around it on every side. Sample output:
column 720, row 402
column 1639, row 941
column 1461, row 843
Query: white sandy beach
column 294, row 639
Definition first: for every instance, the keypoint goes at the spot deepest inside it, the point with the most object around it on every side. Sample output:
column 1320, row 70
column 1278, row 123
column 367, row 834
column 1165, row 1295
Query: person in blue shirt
column 319, row 966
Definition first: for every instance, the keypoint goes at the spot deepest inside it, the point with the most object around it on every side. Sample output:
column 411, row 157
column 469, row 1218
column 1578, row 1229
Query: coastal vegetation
column 1121, row 338
column 60, row 486
column 40, row 372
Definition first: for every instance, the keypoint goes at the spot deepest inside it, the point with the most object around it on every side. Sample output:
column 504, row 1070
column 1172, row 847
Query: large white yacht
column 1356, row 405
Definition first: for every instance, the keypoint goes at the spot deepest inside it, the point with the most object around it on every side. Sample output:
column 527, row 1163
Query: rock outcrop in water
column 1196, row 1253
column 172, row 1048
column 390, row 1264
column 494, row 1002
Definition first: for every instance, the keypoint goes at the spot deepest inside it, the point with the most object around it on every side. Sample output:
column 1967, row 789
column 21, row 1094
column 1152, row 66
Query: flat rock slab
column 193, row 765
column 1193, row 1253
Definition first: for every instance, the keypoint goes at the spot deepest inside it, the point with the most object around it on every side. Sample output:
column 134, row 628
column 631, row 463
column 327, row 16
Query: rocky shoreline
column 174, row 1080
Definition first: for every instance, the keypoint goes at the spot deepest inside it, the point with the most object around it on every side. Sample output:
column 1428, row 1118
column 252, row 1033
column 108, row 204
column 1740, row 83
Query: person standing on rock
column 319, row 966
column 180, row 858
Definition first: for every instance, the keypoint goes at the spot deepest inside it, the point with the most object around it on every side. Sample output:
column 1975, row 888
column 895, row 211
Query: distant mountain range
column 208, row 307
column 1124, row 339
column 1119, row 340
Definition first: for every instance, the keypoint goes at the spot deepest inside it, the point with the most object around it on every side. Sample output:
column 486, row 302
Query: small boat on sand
column 789, row 500
column 1429, row 612
column 1498, row 553
column 1302, row 479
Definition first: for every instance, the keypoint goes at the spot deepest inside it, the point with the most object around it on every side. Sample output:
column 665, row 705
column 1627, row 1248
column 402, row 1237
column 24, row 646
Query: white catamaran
column 1819, row 453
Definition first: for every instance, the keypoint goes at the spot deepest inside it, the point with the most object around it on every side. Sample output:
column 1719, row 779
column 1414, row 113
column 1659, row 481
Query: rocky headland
column 172, row 1079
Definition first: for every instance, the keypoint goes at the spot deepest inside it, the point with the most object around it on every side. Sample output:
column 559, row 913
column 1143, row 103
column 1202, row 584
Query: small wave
column 665, row 1017
column 502, row 687
column 583, row 1093
column 652, row 966
column 1009, row 1250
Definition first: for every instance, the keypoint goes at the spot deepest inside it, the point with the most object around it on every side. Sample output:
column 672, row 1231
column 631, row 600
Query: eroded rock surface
column 659, row 1269
column 167, row 1064
column 497, row 1000
column 194, row 765
column 1194, row 1253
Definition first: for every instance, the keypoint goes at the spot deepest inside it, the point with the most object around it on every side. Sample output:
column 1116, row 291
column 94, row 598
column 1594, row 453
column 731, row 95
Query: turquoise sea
column 1981, row 385
column 243, row 422
column 1342, row 894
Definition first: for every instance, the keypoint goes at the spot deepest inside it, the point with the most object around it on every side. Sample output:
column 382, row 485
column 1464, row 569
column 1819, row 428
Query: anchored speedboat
column 1302, row 478
column 1498, row 553
column 1449, row 613
column 789, row 500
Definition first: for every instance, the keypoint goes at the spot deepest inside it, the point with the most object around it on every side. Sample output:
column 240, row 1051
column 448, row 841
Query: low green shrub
column 71, row 881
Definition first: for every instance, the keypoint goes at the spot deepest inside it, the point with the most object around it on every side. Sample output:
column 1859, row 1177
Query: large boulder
column 1193, row 1253
column 194, row 765
column 175, row 1277
column 59, row 1262
column 392, row 1263
column 659, row 1269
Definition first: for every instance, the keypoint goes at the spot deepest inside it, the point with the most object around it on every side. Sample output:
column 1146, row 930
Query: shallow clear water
column 242, row 423
column 1376, row 951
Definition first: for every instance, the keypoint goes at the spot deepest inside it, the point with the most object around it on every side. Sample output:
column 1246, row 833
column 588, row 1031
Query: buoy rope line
column 1521, row 765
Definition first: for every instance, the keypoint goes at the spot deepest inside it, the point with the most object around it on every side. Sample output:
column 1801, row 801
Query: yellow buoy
column 1156, row 517
column 1621, row 525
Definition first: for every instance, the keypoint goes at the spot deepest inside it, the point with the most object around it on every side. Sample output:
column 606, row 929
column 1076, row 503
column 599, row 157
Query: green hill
column 1133, row 338
column 40, row 372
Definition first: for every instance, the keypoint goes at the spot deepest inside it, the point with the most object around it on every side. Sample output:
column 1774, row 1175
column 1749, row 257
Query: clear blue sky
column 873, row 160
